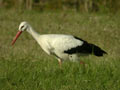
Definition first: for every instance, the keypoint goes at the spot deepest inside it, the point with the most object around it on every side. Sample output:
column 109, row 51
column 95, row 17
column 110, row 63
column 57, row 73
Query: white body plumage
column 56, row 44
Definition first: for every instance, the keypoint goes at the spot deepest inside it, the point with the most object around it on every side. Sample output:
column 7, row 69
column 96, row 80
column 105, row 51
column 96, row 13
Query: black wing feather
column 86, row 48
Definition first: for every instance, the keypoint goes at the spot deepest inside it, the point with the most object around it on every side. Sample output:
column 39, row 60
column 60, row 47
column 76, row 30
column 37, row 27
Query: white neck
column 33, row 33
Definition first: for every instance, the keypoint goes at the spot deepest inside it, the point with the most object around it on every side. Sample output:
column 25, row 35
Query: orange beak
column 17, row 35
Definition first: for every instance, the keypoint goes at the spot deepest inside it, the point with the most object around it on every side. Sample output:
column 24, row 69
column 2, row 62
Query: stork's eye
column 22, row 27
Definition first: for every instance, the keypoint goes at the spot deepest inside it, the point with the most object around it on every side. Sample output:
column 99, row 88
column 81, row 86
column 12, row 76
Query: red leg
column 81, row 62
column 60, row 62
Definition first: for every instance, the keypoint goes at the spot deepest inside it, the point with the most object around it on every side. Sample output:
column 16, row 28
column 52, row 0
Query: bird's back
column 61, row 41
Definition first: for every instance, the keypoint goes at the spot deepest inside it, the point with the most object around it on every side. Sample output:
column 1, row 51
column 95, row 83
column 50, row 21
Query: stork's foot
column 81, row 62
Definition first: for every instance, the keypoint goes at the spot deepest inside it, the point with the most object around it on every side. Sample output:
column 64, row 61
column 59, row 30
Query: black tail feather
column 97, row 51
column 87, row 48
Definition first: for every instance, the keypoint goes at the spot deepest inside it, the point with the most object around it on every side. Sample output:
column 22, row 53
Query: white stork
column 63, row 47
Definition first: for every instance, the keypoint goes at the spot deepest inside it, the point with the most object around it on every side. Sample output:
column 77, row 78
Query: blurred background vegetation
column 111, row 6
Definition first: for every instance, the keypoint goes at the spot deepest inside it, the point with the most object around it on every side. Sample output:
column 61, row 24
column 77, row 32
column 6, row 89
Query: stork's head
column 22, row 27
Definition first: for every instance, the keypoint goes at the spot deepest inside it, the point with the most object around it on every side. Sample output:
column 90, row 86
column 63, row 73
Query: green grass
column 25, row 66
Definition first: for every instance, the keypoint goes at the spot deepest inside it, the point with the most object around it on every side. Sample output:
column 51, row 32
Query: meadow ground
column 25, row 66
